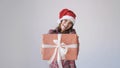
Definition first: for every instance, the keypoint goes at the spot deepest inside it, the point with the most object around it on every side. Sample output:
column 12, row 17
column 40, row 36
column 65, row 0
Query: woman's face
column 65, row 24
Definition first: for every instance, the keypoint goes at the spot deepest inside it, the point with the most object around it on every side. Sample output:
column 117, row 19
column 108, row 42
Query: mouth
column 65, row 27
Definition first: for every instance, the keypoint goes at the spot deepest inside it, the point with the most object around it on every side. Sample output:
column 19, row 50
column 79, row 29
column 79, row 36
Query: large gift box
column 63, row 45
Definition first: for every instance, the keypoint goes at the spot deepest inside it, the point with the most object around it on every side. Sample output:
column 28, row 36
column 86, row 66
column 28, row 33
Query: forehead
column 67, row 20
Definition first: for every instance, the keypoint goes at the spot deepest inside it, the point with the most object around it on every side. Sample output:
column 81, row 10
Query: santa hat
column 67, row 14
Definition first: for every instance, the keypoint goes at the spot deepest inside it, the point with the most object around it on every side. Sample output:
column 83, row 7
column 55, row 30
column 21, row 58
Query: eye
column 65, row 20
column 69, row 22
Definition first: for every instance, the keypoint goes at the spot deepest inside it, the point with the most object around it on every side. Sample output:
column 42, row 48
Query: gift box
column 58, row 45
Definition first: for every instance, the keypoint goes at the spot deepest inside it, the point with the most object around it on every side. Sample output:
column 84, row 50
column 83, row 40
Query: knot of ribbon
column 61, row 51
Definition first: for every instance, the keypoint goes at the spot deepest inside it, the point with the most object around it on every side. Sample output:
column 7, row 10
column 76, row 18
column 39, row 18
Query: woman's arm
column 51, row 31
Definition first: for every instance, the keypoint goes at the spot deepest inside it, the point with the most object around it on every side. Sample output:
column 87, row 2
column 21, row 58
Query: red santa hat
column 67, row 14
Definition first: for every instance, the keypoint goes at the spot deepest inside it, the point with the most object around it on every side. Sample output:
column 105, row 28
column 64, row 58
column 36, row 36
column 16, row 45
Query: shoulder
column 73, row 31
column 52, row 31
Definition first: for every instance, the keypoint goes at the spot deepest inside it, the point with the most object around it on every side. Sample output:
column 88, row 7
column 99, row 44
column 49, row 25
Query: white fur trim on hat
column 66, row 17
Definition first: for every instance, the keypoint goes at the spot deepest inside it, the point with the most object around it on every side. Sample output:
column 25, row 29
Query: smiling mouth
column 64, row 26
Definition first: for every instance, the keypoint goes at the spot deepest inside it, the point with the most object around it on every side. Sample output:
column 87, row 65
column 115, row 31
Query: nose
column 65, row 24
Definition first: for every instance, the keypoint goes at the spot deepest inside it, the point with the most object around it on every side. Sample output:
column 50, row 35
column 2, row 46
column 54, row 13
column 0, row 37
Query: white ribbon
column 61, row 49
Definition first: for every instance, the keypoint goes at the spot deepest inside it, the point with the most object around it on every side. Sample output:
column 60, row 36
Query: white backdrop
column 22, row 22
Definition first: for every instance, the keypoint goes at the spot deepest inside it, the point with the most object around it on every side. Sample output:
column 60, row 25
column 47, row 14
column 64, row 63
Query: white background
column 22, row 22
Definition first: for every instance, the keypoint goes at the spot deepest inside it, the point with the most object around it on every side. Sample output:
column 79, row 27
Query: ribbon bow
column 60, row 49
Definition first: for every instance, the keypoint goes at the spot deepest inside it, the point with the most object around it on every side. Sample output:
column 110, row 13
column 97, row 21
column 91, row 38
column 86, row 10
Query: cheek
column 69, row 26
column 61, row 26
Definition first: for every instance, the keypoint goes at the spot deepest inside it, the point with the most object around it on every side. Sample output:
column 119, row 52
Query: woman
column 66, row 22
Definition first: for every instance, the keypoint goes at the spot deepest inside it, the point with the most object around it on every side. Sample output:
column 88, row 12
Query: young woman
column 66, row 22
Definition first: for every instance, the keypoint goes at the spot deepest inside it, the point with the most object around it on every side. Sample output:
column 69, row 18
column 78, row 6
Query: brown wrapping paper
column 66, row 38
